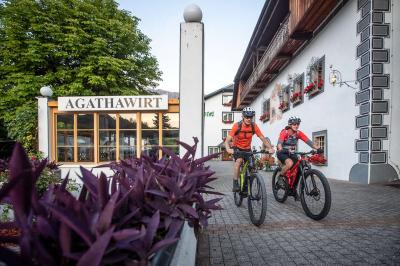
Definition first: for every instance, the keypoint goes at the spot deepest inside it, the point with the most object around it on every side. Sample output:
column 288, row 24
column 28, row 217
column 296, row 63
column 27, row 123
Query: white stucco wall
column 213, row 124
column 333, row 110
column 393, row 144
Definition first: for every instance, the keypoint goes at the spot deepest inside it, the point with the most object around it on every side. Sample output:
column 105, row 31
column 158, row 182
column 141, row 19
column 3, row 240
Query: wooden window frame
column 322, row 133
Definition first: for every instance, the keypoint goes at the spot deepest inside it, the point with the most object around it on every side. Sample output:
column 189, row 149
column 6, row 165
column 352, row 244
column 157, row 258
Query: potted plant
column 124, row 218
column 283, row 105
column 296, row 97
column 264, row 117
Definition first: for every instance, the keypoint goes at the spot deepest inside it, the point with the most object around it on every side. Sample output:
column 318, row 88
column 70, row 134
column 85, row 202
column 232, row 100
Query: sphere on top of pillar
column 192, row 13
column 46, row 91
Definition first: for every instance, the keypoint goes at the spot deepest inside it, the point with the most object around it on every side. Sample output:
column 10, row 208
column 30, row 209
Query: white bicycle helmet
column 248, row 111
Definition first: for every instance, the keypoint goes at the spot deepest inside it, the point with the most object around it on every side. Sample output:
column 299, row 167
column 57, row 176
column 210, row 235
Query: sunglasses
column 248, row 117
column 295, row 124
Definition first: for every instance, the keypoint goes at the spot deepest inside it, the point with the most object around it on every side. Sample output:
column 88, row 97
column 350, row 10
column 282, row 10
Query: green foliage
column 22, row 124
column 77, row 47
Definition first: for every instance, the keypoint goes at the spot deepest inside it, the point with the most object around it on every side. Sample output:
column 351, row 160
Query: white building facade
column 338, row 73
column 218, row 120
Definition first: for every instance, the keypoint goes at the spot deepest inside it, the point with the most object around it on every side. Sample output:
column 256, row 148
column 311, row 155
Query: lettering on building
column 97, row 103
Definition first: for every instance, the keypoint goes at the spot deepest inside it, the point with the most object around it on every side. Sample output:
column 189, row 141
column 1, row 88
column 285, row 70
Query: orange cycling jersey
column 243, row 139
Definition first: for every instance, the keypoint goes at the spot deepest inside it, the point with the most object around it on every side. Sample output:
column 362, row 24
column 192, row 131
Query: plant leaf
column 106, row 215
column 93, row 256
column 67, row 217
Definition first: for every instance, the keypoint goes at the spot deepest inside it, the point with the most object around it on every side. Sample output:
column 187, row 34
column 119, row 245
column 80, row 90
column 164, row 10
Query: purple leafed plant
column 123, row 218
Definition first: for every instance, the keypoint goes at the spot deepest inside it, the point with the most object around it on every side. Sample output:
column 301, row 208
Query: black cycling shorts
column 237, row 156
column 283, row 155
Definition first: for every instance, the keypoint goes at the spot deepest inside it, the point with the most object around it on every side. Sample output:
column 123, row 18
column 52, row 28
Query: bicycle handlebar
column 305, row 153
column 248, row 153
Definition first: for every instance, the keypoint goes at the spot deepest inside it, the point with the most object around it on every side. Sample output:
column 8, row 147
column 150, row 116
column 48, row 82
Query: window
column 227, row 100
column 150, row 133
column 107, row 137
column 265, row 111
column 65, row 138
column 315, row 77
column 225, row 133
column 127, row 136
column 103, row 137
column 227, row 117
column 284, row 98
column 170, row 131
column 297, row 90
column 321, row 138
column 85, row 137
column 212, row 150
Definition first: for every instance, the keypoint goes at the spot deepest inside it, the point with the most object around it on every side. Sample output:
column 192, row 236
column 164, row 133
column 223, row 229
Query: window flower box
column 227, row 121
column 314, row 87
column 296, row 97
column 264, row 117
column 227, row 104
column 284, row 105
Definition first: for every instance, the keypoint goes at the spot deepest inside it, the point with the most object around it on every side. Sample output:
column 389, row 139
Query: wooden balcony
column 257, row 80
column 298, row 27
column 307, row 15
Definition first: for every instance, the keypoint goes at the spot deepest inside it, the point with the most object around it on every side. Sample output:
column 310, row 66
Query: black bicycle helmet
column 294, row 120
column 248, row 111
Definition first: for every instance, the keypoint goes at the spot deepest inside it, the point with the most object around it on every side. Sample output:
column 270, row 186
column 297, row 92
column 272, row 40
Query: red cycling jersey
column 243, row 139
column 290, row 141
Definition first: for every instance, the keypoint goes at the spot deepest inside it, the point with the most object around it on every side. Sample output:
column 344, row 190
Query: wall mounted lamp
column 335, row 77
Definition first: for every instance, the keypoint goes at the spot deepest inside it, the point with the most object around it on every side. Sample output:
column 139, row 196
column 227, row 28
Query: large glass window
column 85, row 137
column 127, row 136
column 170, row 131
column 65, row 138
column 102, row 137
column 107, row 137
column 150, row 133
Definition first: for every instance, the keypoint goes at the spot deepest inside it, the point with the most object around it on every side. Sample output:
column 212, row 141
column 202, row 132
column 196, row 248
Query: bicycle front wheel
column 315, row 195
column 257, row 199
column 237, row 198
column 279, row 187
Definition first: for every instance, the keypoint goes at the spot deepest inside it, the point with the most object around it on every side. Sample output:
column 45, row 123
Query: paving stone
column 362, row 228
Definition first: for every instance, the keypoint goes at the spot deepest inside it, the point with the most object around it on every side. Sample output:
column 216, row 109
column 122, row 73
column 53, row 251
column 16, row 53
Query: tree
column 78, row 47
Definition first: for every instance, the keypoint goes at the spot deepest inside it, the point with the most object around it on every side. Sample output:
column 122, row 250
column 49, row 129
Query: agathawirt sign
column 117, row 103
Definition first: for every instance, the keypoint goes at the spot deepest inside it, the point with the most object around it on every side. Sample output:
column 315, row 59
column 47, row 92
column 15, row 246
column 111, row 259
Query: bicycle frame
column 243, row 175
column 297, row 171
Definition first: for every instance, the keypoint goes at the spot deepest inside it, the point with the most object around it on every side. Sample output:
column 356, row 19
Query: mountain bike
column 315, row 192
column 252, row 187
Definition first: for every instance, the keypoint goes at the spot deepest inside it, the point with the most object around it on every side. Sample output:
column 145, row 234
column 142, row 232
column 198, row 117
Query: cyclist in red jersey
column 287, row 142
column 241, row 134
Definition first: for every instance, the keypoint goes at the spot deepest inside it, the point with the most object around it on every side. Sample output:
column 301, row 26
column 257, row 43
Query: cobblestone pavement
column 362, row 228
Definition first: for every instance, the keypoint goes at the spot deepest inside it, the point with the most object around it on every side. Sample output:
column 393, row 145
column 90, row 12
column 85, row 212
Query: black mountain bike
column 315, row 192
column 252, row 187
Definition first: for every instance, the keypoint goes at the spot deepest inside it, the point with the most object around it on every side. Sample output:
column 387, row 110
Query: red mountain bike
column 315, row 192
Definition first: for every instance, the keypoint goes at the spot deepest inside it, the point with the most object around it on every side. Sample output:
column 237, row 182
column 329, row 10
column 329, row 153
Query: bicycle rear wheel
column 316, row 199
column 279, row 187
column 257, row 199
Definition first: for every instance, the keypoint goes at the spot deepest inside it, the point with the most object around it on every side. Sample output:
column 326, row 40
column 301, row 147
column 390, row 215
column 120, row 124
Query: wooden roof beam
column 305, row 35
column 283, row 56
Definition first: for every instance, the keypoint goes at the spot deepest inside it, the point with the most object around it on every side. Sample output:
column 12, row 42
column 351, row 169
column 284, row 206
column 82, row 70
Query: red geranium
column 295, row 96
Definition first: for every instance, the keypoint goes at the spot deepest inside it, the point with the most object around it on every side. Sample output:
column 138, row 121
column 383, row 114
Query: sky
column 228, row 26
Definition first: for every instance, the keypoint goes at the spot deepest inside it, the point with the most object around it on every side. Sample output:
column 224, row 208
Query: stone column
column 43, row 126
column 191, row 79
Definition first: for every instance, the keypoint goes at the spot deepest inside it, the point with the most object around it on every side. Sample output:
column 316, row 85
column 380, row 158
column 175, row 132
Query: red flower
column 282, row 105
column 320, row 83
column 295, row 96
column 264, row 116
